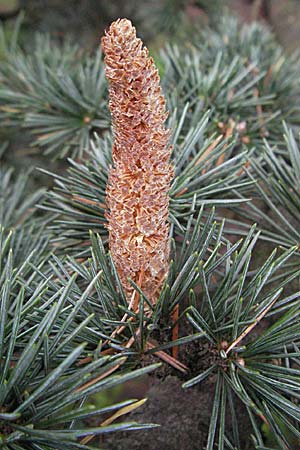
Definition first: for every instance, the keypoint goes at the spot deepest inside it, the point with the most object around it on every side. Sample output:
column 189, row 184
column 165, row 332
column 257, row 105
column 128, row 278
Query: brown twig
column 209, row 149
column 168, row 359
column 125, row 410
column 259, row 111
column 250, row 327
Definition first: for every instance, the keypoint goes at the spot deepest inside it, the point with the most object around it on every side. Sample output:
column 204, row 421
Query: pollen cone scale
column 139, row 181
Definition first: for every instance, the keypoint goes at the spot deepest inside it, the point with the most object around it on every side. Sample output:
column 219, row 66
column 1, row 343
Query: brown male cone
column 138, row 184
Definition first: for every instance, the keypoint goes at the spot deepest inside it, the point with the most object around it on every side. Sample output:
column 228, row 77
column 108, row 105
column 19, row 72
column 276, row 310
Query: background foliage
column 226, row 322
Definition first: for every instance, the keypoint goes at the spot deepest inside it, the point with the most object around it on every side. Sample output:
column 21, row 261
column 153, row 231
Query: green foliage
column 258, row 46
column 67, row 331
column 3, row 148
column 44, row 381
column 56, row 92
column 21, row 227
column 176, row 18
column 243, row 75
column 227, row 303
column 278, row 185
column 205, row 168
column 260, row 369
column 9, row 38
column 111, row 304
column 21, row 204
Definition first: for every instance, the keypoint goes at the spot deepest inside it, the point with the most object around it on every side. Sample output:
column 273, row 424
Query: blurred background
column 156, row 20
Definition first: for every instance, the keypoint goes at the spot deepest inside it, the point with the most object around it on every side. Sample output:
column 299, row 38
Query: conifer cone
column 139, row 181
